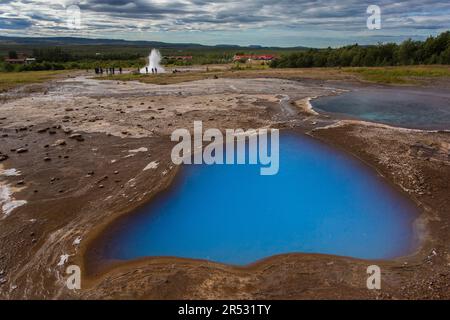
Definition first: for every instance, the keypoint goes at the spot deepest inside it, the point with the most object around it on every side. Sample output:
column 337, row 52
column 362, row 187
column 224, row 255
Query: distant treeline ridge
column 434, row 50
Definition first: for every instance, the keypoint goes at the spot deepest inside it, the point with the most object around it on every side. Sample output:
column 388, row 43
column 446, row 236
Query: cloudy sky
column 319, row 23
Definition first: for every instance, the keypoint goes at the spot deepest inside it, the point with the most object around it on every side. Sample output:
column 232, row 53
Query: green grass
column 230, row 71
column 401, row 75
column 9, row 80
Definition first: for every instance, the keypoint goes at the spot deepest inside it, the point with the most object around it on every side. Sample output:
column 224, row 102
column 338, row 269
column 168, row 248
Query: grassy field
column 401, row 75
column 170, row 78
column 385, row 75
column 9, row 80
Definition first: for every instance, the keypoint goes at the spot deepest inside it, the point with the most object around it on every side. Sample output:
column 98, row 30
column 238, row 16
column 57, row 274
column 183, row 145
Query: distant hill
column 62, row 41
column 73, row 41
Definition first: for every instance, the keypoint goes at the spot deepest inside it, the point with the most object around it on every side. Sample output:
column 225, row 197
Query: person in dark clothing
column 120, row 70
column 156, row 70
column 146, row 70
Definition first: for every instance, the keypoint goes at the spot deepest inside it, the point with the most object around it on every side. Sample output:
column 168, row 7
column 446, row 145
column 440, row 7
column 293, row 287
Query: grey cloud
column 14, row 24
column 344, row 16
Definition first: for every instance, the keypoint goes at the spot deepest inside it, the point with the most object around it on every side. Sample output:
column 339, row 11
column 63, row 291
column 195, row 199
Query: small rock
column 47, row 159
column 60, row 142
column 22, row 150
column 76, row 136
column 20, row 182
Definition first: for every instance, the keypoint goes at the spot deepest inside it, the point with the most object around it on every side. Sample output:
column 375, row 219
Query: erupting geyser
column 153, row 65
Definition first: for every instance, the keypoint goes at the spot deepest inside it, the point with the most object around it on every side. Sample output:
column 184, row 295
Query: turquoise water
column 421, row 109
column 321, row 201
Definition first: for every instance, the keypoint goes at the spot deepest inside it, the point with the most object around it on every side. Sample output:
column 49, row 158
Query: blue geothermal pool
column 404, row 107
column 321, row 201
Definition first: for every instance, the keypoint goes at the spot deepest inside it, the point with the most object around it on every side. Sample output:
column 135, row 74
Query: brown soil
column 76, row 189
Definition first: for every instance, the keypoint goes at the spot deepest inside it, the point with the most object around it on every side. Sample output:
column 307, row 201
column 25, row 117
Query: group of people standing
column 154, row 70
column 110, row 70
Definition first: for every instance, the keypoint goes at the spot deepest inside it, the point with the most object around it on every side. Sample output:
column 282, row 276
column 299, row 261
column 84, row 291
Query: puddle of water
column 419, row 109
column 321, row 201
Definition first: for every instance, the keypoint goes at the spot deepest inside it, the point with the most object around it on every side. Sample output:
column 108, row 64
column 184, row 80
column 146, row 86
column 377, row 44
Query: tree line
column 57, row 54
column 434, row 50
column 56, row 58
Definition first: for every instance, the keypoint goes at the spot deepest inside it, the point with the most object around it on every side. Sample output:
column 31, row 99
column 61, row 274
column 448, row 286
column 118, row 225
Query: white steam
column 153, row 66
